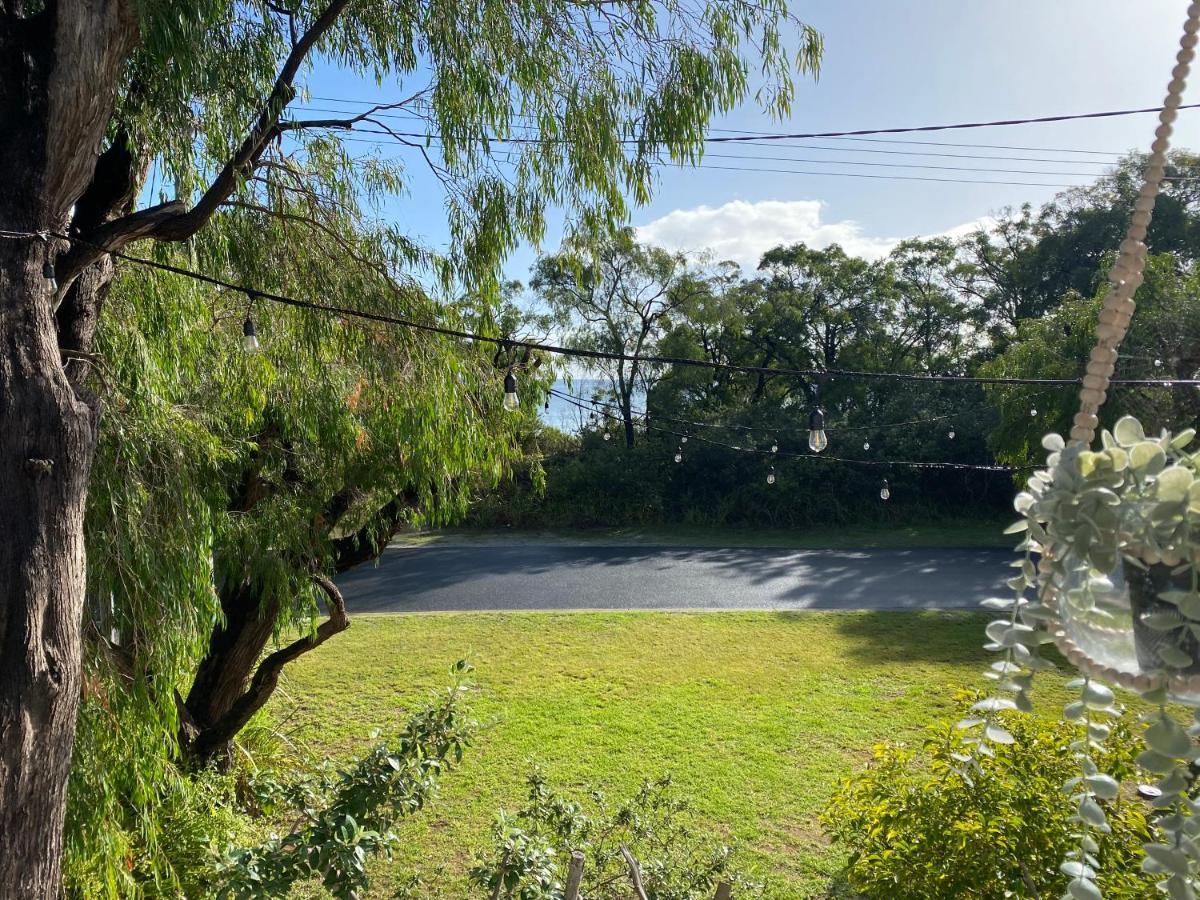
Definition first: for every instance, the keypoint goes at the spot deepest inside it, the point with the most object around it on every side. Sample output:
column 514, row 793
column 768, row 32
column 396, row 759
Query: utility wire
column 578, row 352
column 753, row 142
column 889, row 177
column 386, row 142
column 776, row 136
column 875, row 463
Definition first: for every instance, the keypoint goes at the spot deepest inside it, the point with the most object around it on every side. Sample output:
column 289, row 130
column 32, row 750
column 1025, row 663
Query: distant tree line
column 1016, row 297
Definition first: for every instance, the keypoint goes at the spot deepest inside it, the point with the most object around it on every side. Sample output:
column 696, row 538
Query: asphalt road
column 571, row 577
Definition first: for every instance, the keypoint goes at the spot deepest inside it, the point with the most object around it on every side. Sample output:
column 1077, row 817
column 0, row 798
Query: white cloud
column 743, row 231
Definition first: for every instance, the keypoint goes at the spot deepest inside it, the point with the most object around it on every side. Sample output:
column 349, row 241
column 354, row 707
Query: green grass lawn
column 756, row 715
column 969, row 533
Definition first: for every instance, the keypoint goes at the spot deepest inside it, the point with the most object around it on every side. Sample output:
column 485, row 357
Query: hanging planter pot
column 1166, row 618
column 1115, row 528
column 1110, row 576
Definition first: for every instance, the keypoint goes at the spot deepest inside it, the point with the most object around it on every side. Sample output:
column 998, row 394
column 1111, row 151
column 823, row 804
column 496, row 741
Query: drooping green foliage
column 915, row 829
column 547, row 103
column 219, row 465
column 225, row 477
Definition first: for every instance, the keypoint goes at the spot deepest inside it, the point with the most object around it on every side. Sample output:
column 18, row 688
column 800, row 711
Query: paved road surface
column 569, row 577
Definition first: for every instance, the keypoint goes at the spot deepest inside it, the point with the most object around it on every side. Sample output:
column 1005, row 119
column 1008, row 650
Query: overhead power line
column 1087, row 151
column 387, row 140
column 911, row 129
column 842, row 149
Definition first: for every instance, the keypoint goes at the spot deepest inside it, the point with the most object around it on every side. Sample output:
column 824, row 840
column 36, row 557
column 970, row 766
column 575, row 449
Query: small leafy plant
column 530, row 851
column 342, row 819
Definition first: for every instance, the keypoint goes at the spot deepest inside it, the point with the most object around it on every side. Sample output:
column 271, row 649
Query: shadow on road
column 530, row 577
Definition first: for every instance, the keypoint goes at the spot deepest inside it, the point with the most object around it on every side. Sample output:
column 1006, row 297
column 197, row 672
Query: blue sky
column 890, row 64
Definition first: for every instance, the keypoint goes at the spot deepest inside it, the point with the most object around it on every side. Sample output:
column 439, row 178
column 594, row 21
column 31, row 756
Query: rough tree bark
column 61, row 62
column 58, row 75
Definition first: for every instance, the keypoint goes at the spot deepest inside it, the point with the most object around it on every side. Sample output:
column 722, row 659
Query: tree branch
column 169, row 221
column 266, row 677
column 635, row 873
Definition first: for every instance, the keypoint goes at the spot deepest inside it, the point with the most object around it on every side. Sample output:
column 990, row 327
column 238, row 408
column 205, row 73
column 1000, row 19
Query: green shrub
column 528, row 860
column 341, row 819
column 915, row 829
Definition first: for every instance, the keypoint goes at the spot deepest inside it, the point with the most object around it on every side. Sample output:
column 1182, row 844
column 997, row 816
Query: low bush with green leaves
column 915, row 828
column 340, row 820
column 531, row 850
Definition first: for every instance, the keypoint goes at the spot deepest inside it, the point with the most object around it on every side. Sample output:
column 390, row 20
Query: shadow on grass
column 949, row 638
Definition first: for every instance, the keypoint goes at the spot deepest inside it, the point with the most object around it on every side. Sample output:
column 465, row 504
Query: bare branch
column 635, row 873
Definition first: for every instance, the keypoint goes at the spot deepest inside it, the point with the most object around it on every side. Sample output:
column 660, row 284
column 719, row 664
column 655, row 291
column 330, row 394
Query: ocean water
column 564, row 415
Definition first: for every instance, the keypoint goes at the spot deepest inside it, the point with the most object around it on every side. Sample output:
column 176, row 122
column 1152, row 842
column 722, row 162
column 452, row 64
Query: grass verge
column 756, row 715
column 966, row 534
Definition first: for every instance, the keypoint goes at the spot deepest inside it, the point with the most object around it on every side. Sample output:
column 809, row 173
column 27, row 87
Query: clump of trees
column 1016, row 298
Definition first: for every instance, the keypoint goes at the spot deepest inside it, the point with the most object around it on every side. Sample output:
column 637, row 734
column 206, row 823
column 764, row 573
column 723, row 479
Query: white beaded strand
column 1126, row 275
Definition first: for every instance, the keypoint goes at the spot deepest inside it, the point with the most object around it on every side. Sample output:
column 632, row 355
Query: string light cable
column 781, row 454
column 584, row 353
column 768, row 429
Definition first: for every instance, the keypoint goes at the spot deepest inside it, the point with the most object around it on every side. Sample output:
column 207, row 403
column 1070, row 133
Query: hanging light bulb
column 771, row 476
column 1033, row 413
column 678, row 454
column 511, row 401
column 950, row 434
column 547, row 406
column 48, row 274
column 1158, row 364
column 866, row 445
column 607, row 436
column 884, row 491
column 249, row 335
column 774, row 448
column 817, row 441
column 683, row 440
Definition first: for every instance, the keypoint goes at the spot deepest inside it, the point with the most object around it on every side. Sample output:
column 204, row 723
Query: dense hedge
column 605, row 484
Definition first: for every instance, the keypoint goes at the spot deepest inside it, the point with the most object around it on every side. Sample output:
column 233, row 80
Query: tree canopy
column 228, row 486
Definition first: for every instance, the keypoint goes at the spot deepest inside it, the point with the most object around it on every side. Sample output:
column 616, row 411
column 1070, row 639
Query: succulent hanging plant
column 1112, row 559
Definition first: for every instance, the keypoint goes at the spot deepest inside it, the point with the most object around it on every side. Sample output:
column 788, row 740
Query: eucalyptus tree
column 620, row 300
column 96, row 94
column 1022, row 264
column 935, row 325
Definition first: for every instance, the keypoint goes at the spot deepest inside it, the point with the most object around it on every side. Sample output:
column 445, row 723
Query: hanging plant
column 1117, row 536
column 1115, row 583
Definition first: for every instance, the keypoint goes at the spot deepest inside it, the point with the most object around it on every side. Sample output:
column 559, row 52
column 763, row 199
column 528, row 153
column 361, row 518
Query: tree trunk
column 234, row 680
column 59, row 67
column 234, row 649
column 46, row 446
